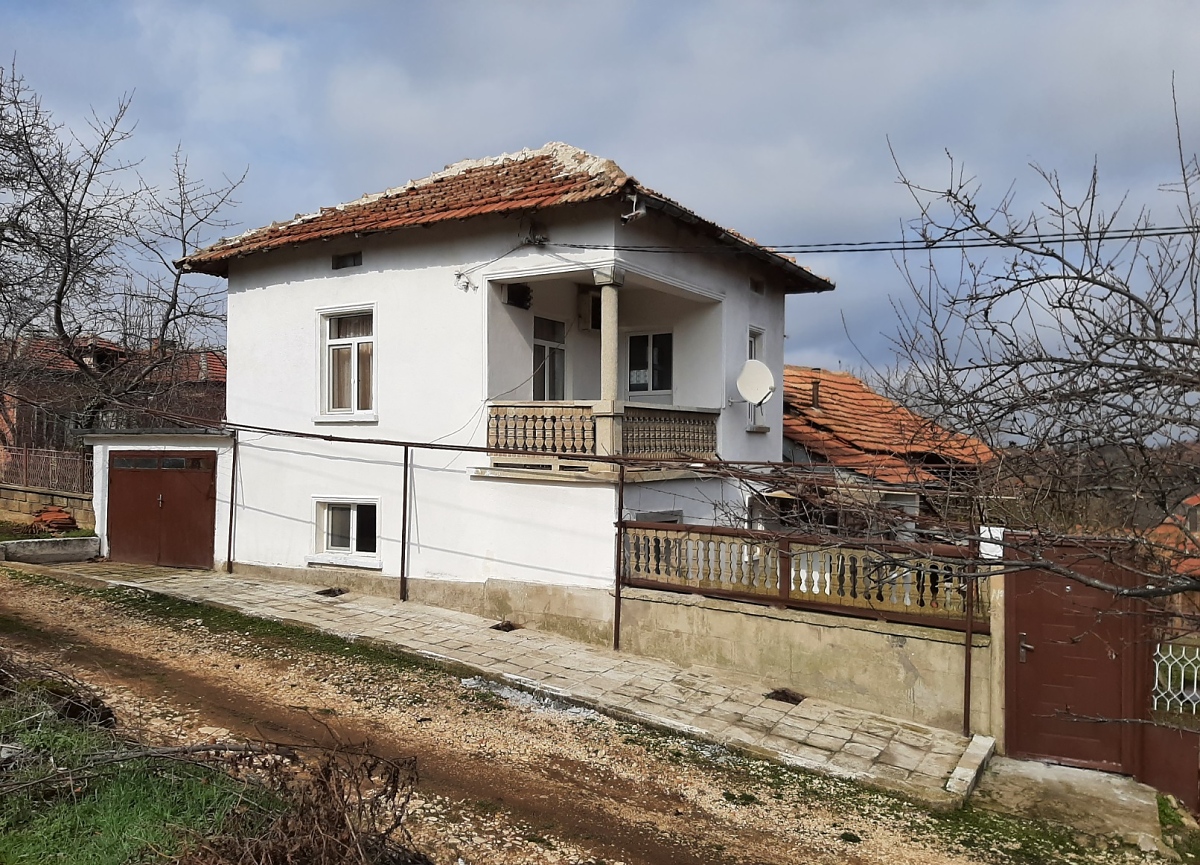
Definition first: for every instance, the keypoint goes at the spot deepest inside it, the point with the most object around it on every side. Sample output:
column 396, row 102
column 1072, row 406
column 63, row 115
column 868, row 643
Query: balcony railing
column 554, row 428
column 795, row 572
column 571, row 431
column 668, row 433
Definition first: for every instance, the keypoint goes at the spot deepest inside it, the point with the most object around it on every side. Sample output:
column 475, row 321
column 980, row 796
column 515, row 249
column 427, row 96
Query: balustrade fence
column 61, row 471
column 801, row 572
column 568, row 430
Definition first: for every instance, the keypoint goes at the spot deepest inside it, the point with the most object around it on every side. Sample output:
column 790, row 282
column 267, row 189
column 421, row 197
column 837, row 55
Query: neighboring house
column 864, row 451
column 50, row 400
column 543, row 304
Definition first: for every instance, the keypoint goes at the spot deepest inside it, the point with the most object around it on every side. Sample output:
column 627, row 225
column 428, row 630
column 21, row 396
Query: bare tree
column 1068, row 339
column 86, row 262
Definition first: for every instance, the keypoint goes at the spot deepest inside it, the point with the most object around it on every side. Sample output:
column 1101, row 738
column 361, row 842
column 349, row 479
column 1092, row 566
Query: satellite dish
column 755, row 382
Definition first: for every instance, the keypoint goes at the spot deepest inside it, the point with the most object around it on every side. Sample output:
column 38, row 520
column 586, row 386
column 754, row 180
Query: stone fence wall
column 19, row 504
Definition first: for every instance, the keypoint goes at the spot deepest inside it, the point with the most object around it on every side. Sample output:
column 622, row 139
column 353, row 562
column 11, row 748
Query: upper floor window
column 349, row 380
column 549, row 359
column 650, row 362
column 754, row 351
column 347, row 259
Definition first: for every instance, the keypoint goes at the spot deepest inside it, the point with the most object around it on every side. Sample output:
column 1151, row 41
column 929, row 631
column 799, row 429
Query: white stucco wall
column 461, row 527
column 445, row 343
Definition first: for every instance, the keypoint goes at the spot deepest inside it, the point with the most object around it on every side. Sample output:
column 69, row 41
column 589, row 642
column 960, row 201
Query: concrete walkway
column 936, row 767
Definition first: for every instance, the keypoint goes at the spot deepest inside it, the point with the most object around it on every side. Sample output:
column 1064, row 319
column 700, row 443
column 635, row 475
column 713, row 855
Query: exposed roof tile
column 853, row 428
column 529, row 180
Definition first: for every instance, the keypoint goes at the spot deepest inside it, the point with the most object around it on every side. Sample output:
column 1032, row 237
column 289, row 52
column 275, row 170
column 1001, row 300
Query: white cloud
column 772, row 117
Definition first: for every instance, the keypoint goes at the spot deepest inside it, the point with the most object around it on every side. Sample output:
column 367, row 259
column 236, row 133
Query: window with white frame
column 349, row 350
column 650, row 363
column 347, row 532
column 549, row 359
column 754, row 352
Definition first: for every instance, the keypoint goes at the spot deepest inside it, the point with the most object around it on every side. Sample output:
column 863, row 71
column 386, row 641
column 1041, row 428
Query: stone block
column 50, row 550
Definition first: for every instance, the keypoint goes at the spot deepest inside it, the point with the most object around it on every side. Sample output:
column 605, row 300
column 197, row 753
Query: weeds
column 69, row 784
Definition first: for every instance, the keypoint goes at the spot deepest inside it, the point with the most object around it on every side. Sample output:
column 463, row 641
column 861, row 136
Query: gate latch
column 1022, row 647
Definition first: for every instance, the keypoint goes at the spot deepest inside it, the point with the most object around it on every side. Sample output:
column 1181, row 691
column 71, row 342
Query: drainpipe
column 232, row 503
column 619, row 559
column 970, row 638
column 404, row 531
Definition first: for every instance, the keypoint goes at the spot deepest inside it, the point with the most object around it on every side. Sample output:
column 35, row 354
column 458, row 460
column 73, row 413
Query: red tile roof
column 513, row 183
column 856, row 429
column 45, row 354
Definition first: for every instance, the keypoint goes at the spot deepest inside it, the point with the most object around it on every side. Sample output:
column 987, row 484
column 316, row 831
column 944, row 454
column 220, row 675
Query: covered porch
column 590, row 363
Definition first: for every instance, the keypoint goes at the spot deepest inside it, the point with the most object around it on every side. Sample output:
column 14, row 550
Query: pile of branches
column 342, row 806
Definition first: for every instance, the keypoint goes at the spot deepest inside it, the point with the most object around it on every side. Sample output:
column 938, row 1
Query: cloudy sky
column 770, row 117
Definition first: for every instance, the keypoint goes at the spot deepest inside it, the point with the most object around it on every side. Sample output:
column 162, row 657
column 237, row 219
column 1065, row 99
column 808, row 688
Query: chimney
column 816, row 391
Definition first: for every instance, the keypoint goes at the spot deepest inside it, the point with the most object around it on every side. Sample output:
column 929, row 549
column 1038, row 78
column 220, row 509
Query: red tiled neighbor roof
column 45, row 354
column 529, row 180
column 856, row 429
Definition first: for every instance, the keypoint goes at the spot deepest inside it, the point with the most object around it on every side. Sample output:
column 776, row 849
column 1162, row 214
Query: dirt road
column 502, row 780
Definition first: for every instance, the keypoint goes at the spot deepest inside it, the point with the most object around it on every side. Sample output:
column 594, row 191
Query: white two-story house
column 542, row 310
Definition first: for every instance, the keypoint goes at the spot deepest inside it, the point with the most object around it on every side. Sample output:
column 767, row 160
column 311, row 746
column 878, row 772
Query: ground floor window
column 347, row 532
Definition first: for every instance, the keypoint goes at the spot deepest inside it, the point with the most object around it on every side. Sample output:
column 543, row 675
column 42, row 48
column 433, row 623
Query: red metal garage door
column 162, row 507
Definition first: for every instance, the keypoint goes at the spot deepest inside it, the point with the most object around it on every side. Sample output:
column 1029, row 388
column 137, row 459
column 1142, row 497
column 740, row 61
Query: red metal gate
column 1072, row 659
column 162, row 507
column 1078, row 674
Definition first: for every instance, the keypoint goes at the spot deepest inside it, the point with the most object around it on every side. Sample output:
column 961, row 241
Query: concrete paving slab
column 1098, row 804
column 713, row 705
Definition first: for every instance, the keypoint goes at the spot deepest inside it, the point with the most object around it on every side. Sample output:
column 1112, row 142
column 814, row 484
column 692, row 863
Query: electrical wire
column 836, row 247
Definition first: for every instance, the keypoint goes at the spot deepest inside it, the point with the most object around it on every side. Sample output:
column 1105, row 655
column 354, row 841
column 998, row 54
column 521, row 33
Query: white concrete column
column 610, row 344
column 608, row 412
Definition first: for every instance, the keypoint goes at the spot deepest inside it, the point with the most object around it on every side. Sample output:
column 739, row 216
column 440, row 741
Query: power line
column 947, row 243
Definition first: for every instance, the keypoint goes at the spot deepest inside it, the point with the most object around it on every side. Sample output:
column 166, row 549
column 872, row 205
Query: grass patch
column 122, row 812
column 981, row 836
column 264, row 633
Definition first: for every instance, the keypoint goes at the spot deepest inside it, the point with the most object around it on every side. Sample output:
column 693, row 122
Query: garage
column 158, row 498
column 162, row 507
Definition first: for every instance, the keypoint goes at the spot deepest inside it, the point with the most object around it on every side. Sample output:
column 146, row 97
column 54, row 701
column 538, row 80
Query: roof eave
column 806, row 282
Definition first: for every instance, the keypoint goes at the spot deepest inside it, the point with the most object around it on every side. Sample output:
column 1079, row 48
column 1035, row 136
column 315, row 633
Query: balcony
column 563, row 435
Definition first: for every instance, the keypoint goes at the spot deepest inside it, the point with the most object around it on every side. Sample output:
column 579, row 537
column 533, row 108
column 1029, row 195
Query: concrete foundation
column 584, row 615
column 46, row 551
column 905, row 671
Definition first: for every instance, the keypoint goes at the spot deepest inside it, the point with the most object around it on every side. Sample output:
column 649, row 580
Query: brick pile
column 53, row 519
